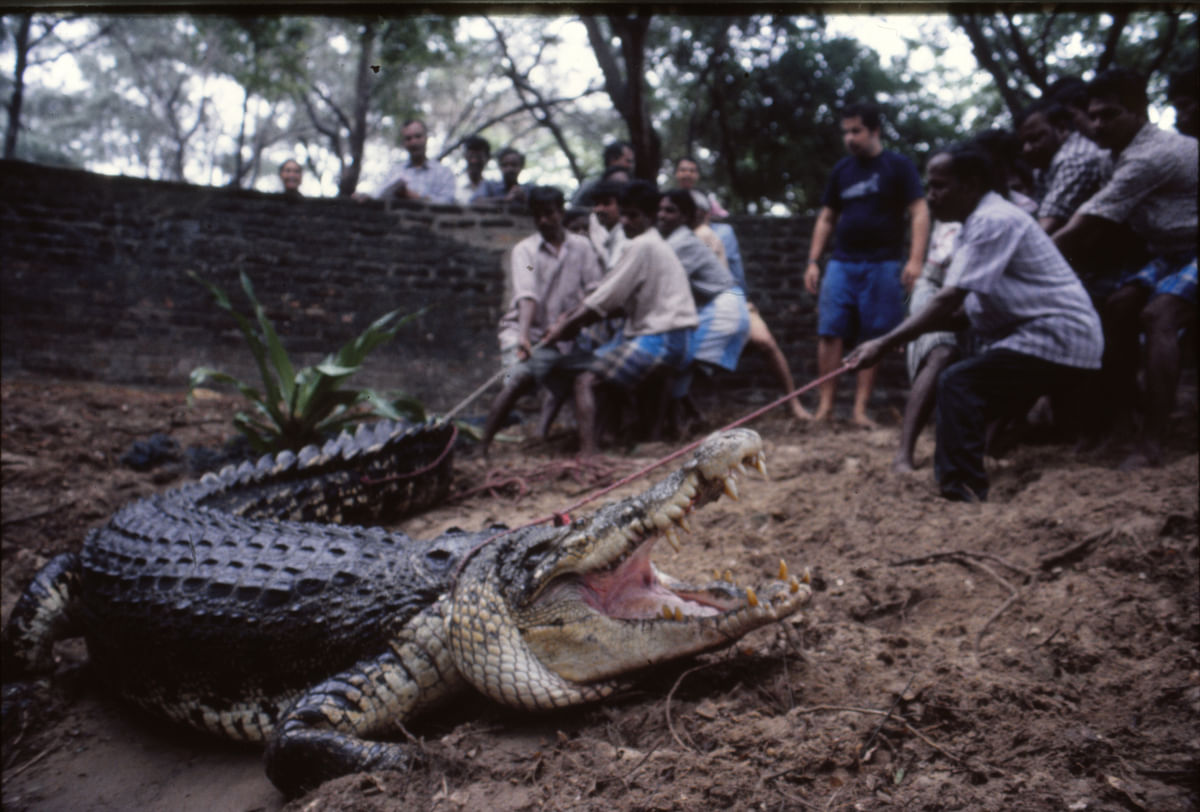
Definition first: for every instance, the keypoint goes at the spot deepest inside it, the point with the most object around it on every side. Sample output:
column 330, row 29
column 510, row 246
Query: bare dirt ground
column 1035, row 652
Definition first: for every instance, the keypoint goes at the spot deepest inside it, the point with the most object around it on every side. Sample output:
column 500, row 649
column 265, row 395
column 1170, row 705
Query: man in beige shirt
column 649, row 286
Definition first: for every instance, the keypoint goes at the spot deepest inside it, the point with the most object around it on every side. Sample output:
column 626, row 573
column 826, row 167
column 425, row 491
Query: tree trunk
column 21, row 45
column 1108, row 57
column 628, row 92
column 362, row 100
column 239, row 166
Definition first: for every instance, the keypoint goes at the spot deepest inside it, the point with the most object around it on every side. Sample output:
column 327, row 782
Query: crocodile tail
column 45, row 612
column 383, row 471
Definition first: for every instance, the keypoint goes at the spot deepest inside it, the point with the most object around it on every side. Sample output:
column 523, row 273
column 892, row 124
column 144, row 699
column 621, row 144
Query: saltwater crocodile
column 231, row 605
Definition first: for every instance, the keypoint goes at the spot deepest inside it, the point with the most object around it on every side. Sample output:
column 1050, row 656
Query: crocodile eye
column 538, row 551
column 438, row 559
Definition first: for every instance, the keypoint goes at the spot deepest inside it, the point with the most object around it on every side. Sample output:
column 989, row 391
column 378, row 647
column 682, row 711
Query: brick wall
column 93, row 282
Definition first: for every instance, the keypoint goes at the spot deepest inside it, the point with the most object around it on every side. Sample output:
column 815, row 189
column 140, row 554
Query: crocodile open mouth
column 618, row 611
column 633, row 587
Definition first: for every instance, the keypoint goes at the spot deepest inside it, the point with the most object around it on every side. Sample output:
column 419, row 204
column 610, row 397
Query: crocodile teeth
column 674, row 512
column 678, row 613
column 672, row 538
column 751, row 597
column 783, row 570
column 667, row 613
column 740, row 468
column 688, row 488
column 806, row 576
column 793, row 586
column 760, row 464
column 731, row 488
column 728, row 576
column 684, row 524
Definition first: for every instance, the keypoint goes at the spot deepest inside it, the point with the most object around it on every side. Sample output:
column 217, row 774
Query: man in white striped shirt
column 1039, row 331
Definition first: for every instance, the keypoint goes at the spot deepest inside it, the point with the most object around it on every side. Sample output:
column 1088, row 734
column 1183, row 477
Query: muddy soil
column 1035, row 652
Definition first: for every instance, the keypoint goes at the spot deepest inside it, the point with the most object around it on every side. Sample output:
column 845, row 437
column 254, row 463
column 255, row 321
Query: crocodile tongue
column 635, row 590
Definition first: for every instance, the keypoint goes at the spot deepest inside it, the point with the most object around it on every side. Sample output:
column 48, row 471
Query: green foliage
column 300, row 406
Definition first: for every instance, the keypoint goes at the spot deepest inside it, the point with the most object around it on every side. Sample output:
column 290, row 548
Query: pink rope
column 563, row 517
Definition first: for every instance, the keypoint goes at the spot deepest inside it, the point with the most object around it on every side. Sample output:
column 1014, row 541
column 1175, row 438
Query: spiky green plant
column 300, row 406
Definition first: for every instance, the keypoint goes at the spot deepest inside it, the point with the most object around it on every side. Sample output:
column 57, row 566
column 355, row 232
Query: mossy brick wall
column 94, row 281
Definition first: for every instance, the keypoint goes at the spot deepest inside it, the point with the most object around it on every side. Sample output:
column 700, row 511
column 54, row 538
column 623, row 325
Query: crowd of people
column 1067, row 304
column 1049, row 273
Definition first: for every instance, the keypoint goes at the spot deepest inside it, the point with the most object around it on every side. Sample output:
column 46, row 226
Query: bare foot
column 823, row 415
column 1087, row 443
column 799, row 412
column 903, row 465
column 1141, row 458
column 864, row 422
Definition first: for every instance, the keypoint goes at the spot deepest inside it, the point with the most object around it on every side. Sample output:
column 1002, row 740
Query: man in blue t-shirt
column 862, row 295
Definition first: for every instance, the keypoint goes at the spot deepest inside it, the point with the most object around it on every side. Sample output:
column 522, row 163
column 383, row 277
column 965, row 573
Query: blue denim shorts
column 1175, row 274
column 860, row 300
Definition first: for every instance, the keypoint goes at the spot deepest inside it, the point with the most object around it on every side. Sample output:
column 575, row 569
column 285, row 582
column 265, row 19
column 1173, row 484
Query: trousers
column 972, row 393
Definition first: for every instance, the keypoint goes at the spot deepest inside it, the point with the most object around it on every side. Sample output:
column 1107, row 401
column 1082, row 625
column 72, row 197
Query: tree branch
column 613, row 81
column 983, row 55
column 332, row 134
column 1166, row 42
column 1043, row 45
column 523, row 107
column 542, row 112
column 76, row 48
column 1024, row 57
column 342, row 118
column 48, row 29
column 463, row 115
column 1112, row 40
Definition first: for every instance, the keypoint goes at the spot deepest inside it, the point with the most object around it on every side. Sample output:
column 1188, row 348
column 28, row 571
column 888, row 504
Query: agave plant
column 300, row 406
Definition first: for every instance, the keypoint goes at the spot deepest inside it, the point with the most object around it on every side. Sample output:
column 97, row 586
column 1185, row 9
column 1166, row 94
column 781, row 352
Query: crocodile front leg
column 328, row 731
column 46, row 612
